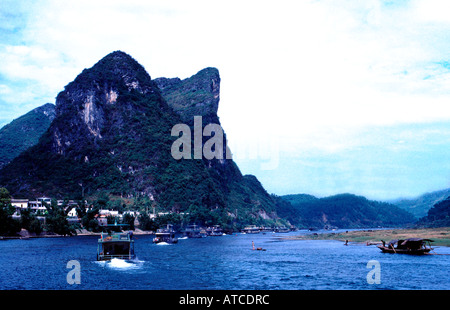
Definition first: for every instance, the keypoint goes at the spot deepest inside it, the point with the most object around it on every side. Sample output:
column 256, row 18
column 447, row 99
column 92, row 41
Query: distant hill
column 24, row 132
column 438, row 215
column 342, row 211
column 420, row 205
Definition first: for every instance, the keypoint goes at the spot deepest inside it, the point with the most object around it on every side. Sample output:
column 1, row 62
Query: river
column 224, row 263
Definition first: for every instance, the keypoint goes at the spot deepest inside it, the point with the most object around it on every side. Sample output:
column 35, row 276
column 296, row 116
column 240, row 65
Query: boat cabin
column 115, row 245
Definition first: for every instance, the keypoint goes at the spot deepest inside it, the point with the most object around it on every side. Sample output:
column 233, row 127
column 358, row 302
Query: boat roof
column 115, row 237
column 405, row 241
column 416, row 240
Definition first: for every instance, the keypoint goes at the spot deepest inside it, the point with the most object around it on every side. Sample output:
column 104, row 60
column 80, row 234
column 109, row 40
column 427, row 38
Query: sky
column 319, row 97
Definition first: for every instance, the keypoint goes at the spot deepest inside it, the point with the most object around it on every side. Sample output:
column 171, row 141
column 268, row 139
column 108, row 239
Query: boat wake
column 122, row 264
column 163, row 243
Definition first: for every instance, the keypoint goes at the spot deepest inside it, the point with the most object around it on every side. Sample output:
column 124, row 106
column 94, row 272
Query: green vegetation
column 56, row 220
column 419, row 206
column 438, row 215
column 8, row 226
column 197, row 95
column 24, row 132
column 30, row 222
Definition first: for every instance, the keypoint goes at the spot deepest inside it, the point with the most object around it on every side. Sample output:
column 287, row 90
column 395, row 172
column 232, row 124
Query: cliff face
column 112, row 132
column 99, row 102
column 199, row 95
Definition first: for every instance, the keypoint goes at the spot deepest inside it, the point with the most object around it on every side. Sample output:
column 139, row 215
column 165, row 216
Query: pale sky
column 318, row 97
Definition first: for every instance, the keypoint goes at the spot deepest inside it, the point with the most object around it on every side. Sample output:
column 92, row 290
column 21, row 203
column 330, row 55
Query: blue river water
column 225, row 263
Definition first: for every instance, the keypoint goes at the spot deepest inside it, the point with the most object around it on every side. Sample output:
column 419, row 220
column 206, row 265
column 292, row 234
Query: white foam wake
column 163, row 243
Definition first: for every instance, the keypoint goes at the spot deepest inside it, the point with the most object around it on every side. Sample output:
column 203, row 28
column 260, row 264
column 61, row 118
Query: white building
column 38, row 206
column 19, row 204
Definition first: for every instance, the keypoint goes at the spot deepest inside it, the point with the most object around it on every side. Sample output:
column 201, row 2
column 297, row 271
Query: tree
column 30, row 222
column 56, row 220
column 88, row 220
column 25, row 219
column 145, row 222
column 36, row 226
column 102, row 201
column 8, row 226
column 129, row 220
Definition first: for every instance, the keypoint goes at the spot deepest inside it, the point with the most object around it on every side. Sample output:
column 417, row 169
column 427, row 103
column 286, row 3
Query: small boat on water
column 194, row 231
column 265, row 229
column 282, row 229
column 115, row 245
column 252, row 229
column 412, row 246
column 215, row 230
column 166, row 235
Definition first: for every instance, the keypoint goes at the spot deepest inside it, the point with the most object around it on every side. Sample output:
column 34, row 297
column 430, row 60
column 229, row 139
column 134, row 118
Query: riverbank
column 24, row 234
column 136, row 231
column 440, row 236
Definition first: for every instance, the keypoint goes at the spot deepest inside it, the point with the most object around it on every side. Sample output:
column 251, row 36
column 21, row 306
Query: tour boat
column 166, row 235
column 115, row 245
column 194, row 231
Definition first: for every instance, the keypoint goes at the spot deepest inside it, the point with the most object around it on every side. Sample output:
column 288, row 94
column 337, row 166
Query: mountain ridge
column 24, row 131
column 438, row 215
column 420, row 205
column 342, row 211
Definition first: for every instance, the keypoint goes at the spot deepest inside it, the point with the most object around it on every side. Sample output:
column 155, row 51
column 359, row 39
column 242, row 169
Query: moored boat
column 282, row 229
column 194, row 231
column 412, row 246
column 215, row 230
column 252, row 229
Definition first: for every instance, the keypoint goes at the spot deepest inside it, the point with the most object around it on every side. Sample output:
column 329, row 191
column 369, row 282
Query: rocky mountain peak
column 86, row 103
column 196, row 95
column 115, row 70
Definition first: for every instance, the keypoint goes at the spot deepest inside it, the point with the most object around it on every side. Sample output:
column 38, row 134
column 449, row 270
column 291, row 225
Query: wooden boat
column 412, row 246
column 115, row 245
column 166, row 235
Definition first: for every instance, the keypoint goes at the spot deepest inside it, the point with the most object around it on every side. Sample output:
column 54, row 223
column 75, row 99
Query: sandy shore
column 440, row 236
